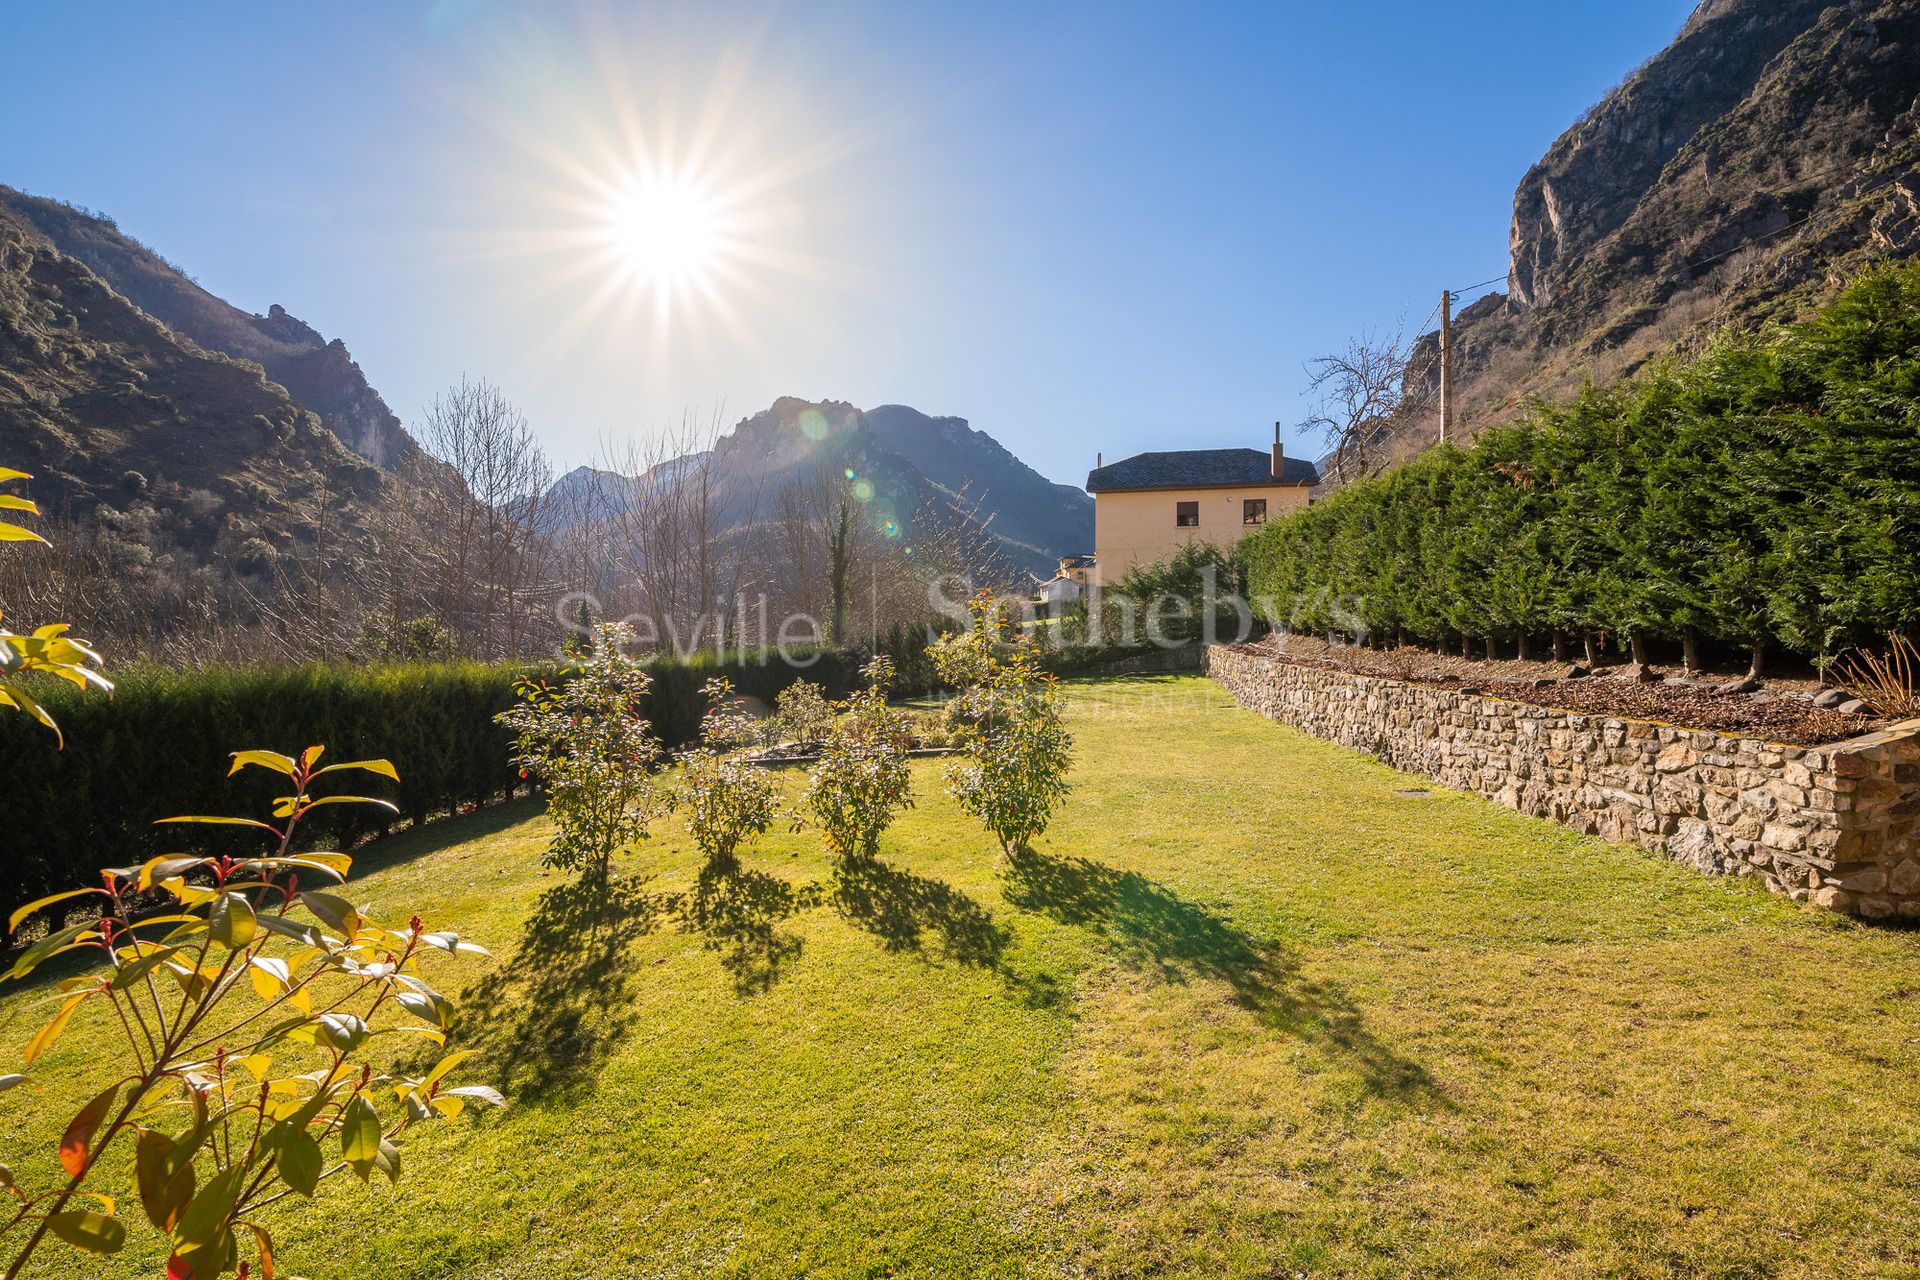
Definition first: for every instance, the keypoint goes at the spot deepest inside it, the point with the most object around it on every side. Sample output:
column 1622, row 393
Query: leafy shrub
column 728, row 800
column 861, row 781
column 588, row 743
column 1010, row 723
column 257, row 1127
column 801, row 713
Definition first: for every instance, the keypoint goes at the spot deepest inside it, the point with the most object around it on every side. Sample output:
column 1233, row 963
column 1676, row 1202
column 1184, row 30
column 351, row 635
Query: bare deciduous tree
column 1360, row 390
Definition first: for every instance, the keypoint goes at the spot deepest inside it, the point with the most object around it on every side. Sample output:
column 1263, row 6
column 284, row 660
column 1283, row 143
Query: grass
column 1247, row 1011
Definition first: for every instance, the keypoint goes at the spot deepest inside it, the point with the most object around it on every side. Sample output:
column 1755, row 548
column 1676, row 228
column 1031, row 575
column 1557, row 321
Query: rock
column 1576, row 672
column 1853, row 707
column 1745, row 684
column 1638, row 673
column 1833, row 898
column 1829, row 697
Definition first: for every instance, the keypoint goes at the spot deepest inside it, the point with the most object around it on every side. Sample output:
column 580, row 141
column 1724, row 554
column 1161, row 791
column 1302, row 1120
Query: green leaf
column 426, row 1004
column 30, row 958
column 384, row 804
column 303, row 933
column 360, row 1136
column 135, row 971
column 300, row 1158
column 14, row 502
column 383, row 767
column 486, row 1093
column 335, row 912
column 43, row 1039
column 342, row 1032
column 94, row 1232
column 205, row 1221
column 164, row 1179
column 14, row 533
column 166, row 867
column 387, row 1160
column 445, row 1065
column 21, row 913
column 231, row 922
column 217, row 820
column 264, row 759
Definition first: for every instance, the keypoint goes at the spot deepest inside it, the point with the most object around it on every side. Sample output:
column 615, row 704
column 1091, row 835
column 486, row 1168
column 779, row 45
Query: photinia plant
column 246, row 1013
column 728, row 799
column 861, row 781
column 588, row 743
column 1011, row 724
column 49, row 649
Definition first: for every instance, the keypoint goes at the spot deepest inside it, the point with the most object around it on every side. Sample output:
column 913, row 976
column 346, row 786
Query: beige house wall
column 1136, row 526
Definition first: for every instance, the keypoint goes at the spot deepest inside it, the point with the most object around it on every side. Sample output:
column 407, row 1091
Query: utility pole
column 1446, row 364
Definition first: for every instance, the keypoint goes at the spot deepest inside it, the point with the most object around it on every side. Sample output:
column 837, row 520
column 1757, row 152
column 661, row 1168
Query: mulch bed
column 1771, row 714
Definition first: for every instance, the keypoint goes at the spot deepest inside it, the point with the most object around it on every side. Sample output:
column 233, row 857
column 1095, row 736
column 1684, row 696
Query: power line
column 1499, row 279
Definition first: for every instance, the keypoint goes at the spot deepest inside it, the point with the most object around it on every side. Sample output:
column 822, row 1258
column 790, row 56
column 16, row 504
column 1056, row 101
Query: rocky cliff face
column 319, row 375
column 1740, row 175
column 122, row 422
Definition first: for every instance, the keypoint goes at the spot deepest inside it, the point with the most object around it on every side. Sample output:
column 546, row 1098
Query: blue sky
column 1084, row 228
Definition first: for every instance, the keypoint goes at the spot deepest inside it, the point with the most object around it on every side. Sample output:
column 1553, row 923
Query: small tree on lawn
column 1011, row 725
column 861, row 781
column 589, row 745
column 728, row 799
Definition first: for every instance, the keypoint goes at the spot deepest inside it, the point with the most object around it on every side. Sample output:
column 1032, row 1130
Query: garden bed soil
column 1778, row 712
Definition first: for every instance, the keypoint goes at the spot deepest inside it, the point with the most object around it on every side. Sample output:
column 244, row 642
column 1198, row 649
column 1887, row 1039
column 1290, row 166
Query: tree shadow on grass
column 739, row 913
column 1154, row 929
column 915, row 914
column 549, row 1015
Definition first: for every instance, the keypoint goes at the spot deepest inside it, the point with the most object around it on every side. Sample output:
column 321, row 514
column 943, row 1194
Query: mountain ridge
column 319, row 375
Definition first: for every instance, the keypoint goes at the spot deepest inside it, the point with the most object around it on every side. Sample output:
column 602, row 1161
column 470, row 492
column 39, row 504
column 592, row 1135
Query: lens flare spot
column 813, row 424
column 863, row 490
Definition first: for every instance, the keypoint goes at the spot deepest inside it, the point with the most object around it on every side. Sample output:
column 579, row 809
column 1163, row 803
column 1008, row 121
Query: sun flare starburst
column 669, row 232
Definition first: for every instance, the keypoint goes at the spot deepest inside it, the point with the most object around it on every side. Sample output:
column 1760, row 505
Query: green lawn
column 1247, row 1012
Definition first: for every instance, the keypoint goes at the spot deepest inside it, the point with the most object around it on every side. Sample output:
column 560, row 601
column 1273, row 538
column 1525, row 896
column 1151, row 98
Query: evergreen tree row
column 1765, row 493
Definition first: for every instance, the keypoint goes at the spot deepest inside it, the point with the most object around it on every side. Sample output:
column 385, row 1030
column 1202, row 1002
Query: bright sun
column 668, row 233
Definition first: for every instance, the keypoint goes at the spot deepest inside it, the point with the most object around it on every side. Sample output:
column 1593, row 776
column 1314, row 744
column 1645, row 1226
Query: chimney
column 1097, row 462
column 1279, row 453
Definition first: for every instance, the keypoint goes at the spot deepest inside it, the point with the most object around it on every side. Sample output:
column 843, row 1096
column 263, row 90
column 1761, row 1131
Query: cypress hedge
column 1764, row 493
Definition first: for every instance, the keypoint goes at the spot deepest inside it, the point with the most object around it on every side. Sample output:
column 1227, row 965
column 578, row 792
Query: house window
column 1186, row 515
column 1253, row 511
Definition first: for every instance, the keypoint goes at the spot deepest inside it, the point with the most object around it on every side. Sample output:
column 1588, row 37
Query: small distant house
column 1148, row 506
column 1064, row 587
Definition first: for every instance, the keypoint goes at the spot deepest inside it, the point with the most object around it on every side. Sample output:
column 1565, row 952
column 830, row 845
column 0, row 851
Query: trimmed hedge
column 1764, row 493
column 160, row 747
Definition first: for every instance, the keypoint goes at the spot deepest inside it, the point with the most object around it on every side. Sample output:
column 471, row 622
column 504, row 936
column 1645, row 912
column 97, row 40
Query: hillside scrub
column 1766, row 493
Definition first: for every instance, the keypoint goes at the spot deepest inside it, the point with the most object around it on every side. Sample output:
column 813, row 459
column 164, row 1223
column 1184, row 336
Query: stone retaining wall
column 1838, row 825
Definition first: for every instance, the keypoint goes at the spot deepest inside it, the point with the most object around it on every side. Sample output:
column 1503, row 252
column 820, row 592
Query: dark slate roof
column 1198, row 469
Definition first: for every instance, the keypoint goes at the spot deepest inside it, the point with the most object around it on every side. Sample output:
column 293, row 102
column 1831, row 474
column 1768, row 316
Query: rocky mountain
column 1740, row 175
column 320, row 376
column 121, row 420
column 910, row 473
